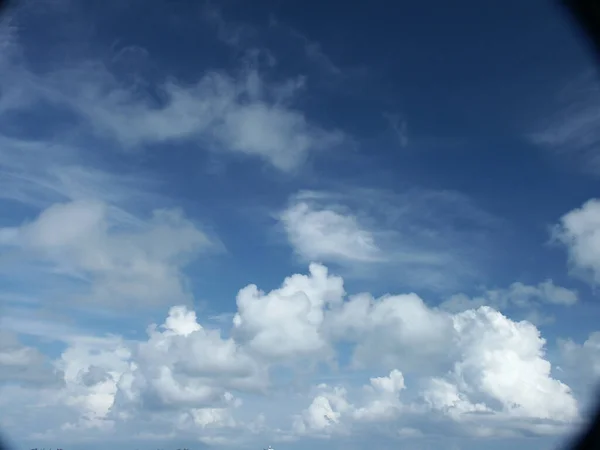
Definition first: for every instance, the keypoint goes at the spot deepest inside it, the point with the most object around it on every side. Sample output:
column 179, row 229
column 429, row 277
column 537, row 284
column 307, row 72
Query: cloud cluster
column 187, row 378
column 394, row 363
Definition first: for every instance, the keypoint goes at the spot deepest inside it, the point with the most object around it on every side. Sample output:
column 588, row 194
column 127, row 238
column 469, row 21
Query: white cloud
column 366, row 231
column 324, row 413
column 331, row 411
column 477, row 368
column 573, row 128
column 329, row 235
column 245, row 114
column 188, row 365
column 579, row 232
column 393, row 331
column 516, row 295
column 124, row 261
column 287, row 322
column 502, row 364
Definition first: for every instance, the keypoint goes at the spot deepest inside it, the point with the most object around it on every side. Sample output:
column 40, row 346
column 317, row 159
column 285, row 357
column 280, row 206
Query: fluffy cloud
column 328, row 235
column 188, row 366
column 92, row 367
column 475, row 369
column 392, row 331
column 120, row 256
column 501, row 364
column 331, row 412
column 579, row 232
column 288, row 322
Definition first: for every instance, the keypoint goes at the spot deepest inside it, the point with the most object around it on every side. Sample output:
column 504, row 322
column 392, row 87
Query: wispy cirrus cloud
column 517, row 294
column 573, row 130
column 241, row 112
column 368, row 230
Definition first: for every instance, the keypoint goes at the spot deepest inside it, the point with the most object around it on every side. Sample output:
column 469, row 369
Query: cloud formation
column 242, row 113
column 123, row 259
column 367, row 231
column 474, row 368
column 573, row 129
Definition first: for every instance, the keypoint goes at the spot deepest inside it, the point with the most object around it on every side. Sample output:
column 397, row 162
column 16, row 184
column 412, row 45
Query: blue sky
column 303, row 224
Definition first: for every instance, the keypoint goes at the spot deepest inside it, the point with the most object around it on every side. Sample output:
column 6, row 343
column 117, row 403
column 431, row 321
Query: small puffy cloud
column 331, row 411
column 579, row 232
column 383, row 401
column 329, row 235
column 325, row 412
column 123, row 259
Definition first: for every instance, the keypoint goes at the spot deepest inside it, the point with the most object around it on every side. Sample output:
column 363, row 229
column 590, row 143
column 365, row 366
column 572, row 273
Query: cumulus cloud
column 288, row 322
column 475, row 369
column 330, row 411
column 393, row 331
column 502, row 367
column 186, row 365
column 579, row 232
column 92, row 366
column 132, row 261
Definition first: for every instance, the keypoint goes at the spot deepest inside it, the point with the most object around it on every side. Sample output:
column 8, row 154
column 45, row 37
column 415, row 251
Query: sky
column 301, row 224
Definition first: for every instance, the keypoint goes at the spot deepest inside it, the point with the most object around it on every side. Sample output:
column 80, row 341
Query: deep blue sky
column 164, row 153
